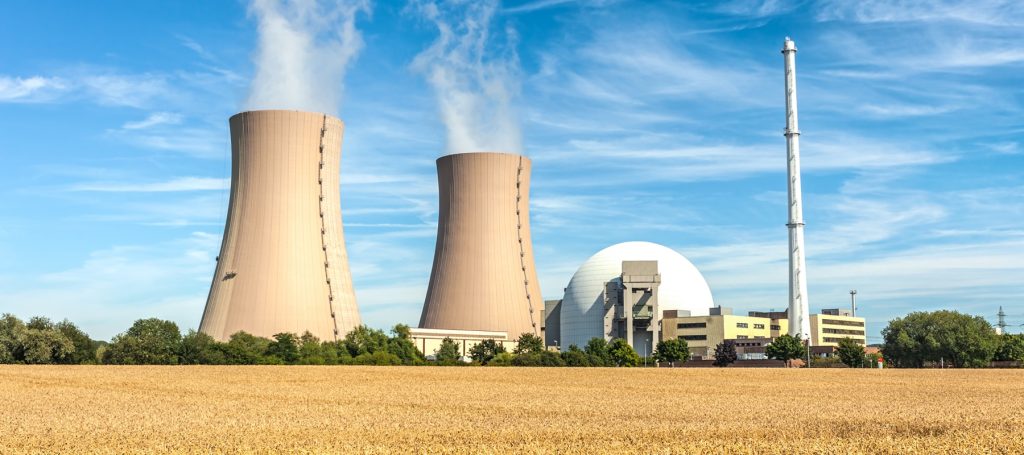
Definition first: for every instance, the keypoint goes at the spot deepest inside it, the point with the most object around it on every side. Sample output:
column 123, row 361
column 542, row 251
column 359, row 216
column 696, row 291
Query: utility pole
column 1001, row 326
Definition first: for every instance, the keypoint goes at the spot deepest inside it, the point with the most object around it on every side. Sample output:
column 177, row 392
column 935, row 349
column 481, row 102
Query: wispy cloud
column 154, row 119
column 475, row 85
column 982, row 12
column 173, row 185
column 304, row 50
column 31, row 89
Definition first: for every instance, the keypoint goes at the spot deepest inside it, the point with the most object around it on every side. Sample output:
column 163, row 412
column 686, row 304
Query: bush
column 485, row 350
column 575, row 357
column 538, row 359
column 377, row 358
column 827, row 362
column 198, row 348
column 503, row 359
column 528, row 343
column 448, row 352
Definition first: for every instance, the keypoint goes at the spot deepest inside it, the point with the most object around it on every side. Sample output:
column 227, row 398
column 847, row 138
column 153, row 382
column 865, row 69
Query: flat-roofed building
column 833, row 325
column 703, row 333
column 429, row 340
column 753, row 332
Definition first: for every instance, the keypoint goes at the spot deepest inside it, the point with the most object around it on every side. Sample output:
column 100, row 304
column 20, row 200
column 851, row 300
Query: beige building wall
column 428, row 341
column 483, row 276
column 283, row 265
column 703, row 333
column 828, row 329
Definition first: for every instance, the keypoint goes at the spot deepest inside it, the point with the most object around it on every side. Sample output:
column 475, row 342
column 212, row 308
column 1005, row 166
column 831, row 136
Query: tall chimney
column 799, row 310
column 853, row 302
column 283, row 265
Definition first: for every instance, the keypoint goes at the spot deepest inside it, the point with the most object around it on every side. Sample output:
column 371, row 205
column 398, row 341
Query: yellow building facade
column 703, row 333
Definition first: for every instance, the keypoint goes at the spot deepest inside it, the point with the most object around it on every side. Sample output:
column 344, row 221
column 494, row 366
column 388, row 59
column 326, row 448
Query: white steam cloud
column 305, row 46
column 475, row 88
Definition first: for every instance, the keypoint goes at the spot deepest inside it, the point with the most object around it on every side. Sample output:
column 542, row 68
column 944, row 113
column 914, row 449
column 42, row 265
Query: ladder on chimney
column 323, row 230
column 522, row 248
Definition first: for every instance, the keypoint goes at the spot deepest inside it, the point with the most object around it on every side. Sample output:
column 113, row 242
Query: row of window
column 838, row 322
column 836, row 340
column 843, row 331
column 693, row 337
column 692, row 325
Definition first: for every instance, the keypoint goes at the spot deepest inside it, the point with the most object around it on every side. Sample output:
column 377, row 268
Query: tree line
column 920, row 339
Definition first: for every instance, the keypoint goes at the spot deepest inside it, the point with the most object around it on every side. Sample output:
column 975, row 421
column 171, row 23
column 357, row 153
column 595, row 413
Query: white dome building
column 582, row 310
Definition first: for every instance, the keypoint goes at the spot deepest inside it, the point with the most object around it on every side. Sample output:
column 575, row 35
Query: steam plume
column 475, row 89
column 305, row 46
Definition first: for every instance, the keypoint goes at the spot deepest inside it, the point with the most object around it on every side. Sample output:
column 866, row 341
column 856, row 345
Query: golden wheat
column 203, row 409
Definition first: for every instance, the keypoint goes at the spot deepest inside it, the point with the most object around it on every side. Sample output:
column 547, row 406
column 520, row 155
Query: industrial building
column 753, row 332
column 483, row 277
column 283, row 266
column 622, row 292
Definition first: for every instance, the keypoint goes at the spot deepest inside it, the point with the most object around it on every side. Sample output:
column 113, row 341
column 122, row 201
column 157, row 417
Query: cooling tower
column 483, row 276
column 282, row 264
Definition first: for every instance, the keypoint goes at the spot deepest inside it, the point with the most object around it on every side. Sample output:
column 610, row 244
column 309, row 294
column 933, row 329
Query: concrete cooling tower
column 483, row 276
column 283, row 265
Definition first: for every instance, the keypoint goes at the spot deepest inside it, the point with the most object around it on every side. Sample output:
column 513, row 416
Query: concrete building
column 283, row 266
column 623, row 292
column 833, row 325
column 483, row 277
column 428, row 341
column 757, row 329
column 704, row 333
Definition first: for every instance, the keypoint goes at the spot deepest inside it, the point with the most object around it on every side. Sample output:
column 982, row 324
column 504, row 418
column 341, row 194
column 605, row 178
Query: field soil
column 209, row 409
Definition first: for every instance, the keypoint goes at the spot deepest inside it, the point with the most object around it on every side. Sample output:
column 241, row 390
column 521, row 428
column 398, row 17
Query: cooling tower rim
column 293, row 111
column 452, row 155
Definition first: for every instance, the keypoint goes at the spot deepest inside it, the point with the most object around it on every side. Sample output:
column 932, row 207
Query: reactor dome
column 582, row 311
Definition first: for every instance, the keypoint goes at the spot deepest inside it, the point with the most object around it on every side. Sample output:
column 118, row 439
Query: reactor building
column 483, row 277
column 283, row 266
column 624, row 291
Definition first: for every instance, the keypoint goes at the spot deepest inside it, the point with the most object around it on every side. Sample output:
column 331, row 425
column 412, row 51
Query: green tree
column 528, row 343
column 12, row 330
column 672, row 350
column 401, row 345
column 622, row 354
column 285, row 346
column 378, row 357
column 502, row 359
column 48, row 345
column 597, row 352
column 311, row 351
column 244, row 348
column 851, row 353
column 1011, row 348
column 538, row 359
column 575, row 357
column 147, row 342
column 335, row 352
column 952, row 337
column 725, row 353
column 198, row 348
column 448, row 352
column 85, row 347
column 485, row 350
column 364, row 340
column 786, row 347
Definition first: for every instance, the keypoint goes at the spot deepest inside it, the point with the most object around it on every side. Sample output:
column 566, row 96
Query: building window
column 741, row 337
column 836, row 340
column 692, row 325
column 843, row 331
column 776, row 327
column 742, row 325
column 838, row 322
column 693, row 337
column 758, row 326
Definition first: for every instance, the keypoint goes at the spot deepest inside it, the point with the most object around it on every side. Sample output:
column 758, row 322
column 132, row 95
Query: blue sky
column 645, row 121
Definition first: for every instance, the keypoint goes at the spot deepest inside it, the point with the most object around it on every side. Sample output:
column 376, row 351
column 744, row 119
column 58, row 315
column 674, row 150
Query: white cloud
column 981, row 12
column 304, row 51
column 31, row 89
column 154, row 119
column 474, row 85
column 173, row 185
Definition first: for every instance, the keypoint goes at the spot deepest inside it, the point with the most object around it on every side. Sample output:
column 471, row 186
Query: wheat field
column 208, row 409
